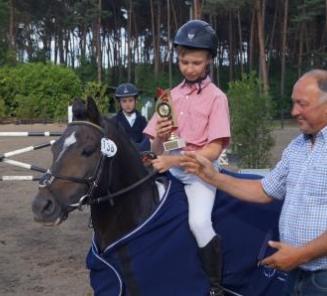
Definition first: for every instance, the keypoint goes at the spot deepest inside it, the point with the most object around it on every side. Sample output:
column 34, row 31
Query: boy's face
column 128, row 104
column 193, row 65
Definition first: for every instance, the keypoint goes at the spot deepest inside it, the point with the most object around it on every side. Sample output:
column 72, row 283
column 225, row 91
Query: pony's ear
column 92, row 111
column 79, row 109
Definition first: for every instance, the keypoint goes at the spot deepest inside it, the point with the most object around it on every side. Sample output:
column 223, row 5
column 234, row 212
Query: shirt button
column 187, row 97
column 182, row 113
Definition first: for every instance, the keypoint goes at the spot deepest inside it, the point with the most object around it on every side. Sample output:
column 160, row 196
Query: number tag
column 108, row 147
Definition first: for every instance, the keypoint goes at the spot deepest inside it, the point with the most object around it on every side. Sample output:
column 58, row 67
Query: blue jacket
column 135, row 132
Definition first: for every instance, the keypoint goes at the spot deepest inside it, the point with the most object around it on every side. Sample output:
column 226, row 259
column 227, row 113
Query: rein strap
column 111, row 196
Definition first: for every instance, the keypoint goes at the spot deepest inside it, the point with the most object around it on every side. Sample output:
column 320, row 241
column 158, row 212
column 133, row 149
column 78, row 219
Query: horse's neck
column 112, row 220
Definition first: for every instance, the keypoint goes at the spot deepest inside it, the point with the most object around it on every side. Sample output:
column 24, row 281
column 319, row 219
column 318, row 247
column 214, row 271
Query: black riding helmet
column 197, row 34
column 126, row 90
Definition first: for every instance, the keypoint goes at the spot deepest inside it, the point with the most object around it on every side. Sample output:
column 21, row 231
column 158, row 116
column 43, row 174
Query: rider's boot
column 211, row 259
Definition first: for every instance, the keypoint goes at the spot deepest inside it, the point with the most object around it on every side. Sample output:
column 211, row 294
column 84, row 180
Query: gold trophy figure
column 164, row 108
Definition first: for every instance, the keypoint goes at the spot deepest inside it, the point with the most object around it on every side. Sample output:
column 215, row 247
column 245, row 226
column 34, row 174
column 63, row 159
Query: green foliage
column 147, row 83
column 251, row 122
column 87, row 71
column 281, row 105
column 99, row 92
column 2, row 108
column 38, row 90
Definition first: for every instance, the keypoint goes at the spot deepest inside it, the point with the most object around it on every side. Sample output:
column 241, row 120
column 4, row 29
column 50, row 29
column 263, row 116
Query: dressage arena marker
column 4, row 157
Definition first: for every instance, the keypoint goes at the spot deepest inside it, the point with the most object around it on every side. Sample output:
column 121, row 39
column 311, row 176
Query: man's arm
column 316, row 248
column 246, row 190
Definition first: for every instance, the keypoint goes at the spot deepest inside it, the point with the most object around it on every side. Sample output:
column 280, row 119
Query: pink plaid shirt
column 201, row 118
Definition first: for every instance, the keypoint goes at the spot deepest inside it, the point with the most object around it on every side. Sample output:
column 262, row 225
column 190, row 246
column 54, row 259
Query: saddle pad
column 159, row 258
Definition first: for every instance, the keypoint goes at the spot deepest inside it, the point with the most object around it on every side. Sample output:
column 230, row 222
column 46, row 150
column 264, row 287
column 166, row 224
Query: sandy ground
column 37, row 260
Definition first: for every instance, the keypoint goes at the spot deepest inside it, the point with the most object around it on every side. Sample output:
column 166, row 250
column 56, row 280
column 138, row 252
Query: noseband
column 92, row 181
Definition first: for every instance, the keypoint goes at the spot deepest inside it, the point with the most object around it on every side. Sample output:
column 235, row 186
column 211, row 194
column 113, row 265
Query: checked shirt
column 300, row 179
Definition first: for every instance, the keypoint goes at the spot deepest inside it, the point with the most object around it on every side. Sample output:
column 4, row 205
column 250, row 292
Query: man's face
column 309, row 111
column 193, row 65
column 128, row 104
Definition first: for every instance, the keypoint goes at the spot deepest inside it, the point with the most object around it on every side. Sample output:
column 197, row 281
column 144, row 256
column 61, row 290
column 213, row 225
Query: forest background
column 54, row 50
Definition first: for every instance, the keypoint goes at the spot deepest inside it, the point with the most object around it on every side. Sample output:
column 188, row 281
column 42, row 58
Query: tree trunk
column 240, row 40
column 129, row 64
column 174, row 16
column 66, row 46
column 323, row 41
column 272, row 37
column 170, row 72
column 262, row 56
column 284, row 49
column 153, row 31
column 300, row 57
column 98, row 42
column 231, row 46
column 251, row 41
column 158, row 39
column 155, row 38
column 56, row 49
column 11, row 37
column 61, row 46
column 83, row 42
column 283, row 57
column 197, row 11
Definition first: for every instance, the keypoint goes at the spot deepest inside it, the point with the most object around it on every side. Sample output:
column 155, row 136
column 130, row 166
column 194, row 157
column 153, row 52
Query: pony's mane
column 119, row 129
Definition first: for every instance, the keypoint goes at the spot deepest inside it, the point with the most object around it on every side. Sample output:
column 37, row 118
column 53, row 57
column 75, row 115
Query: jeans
column 306, row 283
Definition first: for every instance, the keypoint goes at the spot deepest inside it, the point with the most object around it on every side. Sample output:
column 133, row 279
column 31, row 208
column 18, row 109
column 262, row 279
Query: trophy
column 164, row 109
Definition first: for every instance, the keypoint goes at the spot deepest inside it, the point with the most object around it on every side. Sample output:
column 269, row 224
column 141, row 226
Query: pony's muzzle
column 46, row 209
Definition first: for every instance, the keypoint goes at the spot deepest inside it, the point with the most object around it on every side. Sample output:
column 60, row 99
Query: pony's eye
column 87, row 151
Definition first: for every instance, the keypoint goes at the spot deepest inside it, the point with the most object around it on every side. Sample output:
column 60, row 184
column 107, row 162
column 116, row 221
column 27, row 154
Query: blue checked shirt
column 300, row 179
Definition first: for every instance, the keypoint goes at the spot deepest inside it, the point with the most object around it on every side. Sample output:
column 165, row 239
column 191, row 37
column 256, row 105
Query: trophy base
column 174, row 144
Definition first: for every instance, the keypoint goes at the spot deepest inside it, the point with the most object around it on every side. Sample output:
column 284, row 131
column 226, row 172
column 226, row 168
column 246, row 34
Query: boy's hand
column 163, row 163
column 199, row 165
column 164, row 128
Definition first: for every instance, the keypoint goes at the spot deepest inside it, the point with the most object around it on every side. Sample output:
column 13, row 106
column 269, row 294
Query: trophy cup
column 164, row 109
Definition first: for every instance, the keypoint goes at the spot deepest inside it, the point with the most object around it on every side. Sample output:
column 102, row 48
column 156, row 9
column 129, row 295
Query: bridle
column 93, row 181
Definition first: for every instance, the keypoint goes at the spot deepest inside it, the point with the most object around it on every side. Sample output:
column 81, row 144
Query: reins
column 111, row 196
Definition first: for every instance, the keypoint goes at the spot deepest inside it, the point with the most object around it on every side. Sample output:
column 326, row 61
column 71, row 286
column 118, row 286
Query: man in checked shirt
column 300, row 180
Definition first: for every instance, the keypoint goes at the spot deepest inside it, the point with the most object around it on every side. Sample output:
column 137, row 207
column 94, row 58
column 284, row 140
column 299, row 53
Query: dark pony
column 120, row 189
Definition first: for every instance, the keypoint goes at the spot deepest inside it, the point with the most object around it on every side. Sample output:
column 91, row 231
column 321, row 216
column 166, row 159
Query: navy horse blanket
column 162, row 254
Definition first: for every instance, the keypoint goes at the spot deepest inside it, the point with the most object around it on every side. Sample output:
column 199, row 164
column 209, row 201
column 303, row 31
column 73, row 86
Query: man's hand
column 286, row 258
column 199, row 165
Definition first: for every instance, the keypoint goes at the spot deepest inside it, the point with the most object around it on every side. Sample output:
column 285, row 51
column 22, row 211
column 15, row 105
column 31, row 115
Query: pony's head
column 75, row 156
column 92, row 157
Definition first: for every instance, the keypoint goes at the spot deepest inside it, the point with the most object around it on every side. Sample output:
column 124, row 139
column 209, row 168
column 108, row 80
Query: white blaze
column 68, row 142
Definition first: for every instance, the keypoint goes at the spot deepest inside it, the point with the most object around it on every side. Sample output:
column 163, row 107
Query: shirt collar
column 322, row 134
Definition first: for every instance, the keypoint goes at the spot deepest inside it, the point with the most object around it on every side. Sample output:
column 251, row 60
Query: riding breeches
column 201, row 198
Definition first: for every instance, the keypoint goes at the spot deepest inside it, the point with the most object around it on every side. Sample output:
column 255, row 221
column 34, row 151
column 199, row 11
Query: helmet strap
column 198, row 80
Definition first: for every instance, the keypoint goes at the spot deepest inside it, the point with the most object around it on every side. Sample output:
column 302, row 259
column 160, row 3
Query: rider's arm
column 213, row 150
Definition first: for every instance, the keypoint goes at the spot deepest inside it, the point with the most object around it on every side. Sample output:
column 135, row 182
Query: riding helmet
column 126, row 90
column 197, row 34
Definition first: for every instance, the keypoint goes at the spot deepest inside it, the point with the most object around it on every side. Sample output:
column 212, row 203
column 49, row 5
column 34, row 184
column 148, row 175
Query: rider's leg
column 201, row 197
